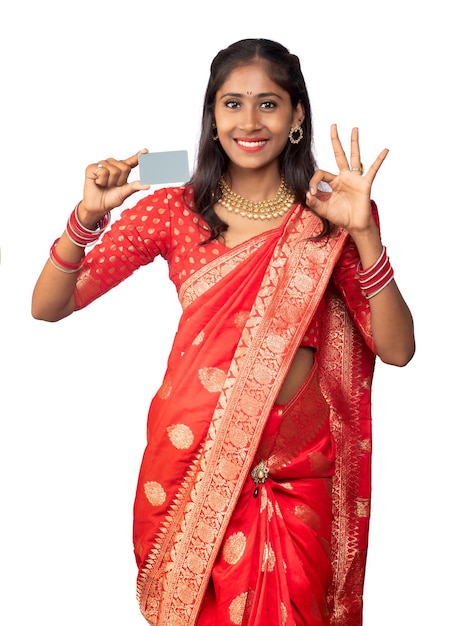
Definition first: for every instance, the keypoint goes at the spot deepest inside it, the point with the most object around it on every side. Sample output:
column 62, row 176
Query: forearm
column 53, row 295
column 392, row 326
column 391, row 320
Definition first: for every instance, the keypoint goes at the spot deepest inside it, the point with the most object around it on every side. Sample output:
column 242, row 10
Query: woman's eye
column 268, row 105
column 232, row 104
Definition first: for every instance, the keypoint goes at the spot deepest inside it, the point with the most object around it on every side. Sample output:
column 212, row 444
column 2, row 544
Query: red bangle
column 82, row 236
column 59, row 263
column 376, row 277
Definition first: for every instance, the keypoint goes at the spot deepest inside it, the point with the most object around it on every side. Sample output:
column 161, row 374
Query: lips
column 251, row 145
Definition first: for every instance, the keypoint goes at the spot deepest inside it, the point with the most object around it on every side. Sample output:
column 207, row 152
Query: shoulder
column 169, row 196
column 163, row 204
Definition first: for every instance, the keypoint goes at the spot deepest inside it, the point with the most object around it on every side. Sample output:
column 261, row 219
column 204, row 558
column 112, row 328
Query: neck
column 266, row 209
column 255, row 185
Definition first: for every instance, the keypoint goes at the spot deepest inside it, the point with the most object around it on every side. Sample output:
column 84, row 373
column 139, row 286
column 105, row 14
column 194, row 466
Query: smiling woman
column 253, row 117
column 253, row 497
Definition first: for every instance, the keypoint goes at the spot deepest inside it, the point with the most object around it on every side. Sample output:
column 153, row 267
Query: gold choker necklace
column 263, row 210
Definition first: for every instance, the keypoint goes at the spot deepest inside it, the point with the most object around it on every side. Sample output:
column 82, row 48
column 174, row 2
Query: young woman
column 253, row 497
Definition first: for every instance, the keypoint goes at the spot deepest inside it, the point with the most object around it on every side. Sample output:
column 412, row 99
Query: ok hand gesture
column 348, row 205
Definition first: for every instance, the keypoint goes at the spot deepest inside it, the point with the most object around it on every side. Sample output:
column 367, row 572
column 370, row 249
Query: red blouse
column 163, row 224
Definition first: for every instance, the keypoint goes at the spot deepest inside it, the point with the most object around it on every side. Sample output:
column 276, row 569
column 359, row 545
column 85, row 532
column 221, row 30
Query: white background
column 86, row 80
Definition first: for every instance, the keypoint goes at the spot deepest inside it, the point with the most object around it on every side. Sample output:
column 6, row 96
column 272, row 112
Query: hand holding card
column 157, row 168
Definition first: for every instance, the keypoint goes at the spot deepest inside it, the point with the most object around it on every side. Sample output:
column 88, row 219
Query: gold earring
column 215, row 135
column 293, row 134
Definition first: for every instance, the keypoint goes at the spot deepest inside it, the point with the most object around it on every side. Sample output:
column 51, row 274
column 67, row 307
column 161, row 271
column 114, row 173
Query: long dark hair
column 296, row 162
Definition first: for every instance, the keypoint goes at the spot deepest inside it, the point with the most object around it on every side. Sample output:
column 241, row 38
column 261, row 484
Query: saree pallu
column 244, row 316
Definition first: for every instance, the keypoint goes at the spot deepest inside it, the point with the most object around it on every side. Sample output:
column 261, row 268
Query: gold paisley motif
column 228, row 470
column 363, row 508
column 240, row 319
column 308, row 516
column 276, row 344
column 236, row 608
column 195, row 563
column 262, row 374
column 278, row 510
column 205, row 533
column 212, row 378
column 303, row 282
column 283, row 614
column 234, row 548
column 269, row 558
column 181, row 436
column 238, row 437
column 185, row 593
column 265, row 503
column 319, row 463
column 199, row 338
column 251, row 406
column 216, row 501
column 290, row 313
column 165, row 388
column 155, row 493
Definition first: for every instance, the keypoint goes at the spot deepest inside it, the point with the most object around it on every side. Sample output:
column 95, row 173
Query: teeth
column 251, row 144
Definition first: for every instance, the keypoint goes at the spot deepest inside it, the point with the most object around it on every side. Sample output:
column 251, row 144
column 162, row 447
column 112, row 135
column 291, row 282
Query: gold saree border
column 346, row 370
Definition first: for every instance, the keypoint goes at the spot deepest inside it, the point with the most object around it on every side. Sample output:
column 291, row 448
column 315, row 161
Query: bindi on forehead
column 249, row 93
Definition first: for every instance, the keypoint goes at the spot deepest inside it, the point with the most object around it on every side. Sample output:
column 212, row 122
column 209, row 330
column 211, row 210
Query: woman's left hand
column 349, row 203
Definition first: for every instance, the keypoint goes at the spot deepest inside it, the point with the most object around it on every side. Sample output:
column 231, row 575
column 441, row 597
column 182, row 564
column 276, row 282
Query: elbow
column 399, row 357
column 46, row 315
column 42, row 316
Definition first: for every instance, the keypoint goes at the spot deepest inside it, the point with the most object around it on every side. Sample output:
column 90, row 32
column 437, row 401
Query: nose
column 250, row 119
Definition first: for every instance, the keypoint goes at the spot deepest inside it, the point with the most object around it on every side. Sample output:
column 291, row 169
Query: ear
column 298, row 115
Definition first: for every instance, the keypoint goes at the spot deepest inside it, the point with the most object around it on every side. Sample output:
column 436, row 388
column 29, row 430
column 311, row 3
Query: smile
column 252, row 145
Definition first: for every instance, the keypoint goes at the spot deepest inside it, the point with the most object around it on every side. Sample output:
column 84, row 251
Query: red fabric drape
column 244, row 315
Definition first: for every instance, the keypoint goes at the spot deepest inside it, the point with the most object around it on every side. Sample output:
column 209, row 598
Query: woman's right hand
column 106, row 187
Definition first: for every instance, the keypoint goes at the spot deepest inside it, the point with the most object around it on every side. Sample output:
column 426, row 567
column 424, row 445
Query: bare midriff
column 299, row 370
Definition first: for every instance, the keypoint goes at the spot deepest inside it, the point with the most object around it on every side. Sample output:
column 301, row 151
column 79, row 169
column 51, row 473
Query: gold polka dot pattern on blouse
column 181, row 436
column 155, row 493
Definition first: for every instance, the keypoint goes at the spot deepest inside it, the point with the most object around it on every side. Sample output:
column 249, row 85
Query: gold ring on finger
column 358, row 169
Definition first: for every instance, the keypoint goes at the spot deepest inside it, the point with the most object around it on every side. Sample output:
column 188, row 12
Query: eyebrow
column 266, row 94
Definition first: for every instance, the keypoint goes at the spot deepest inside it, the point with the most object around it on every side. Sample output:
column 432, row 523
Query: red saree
column 208, row 551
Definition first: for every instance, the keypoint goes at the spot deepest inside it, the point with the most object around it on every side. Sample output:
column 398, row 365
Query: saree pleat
column 275, row 558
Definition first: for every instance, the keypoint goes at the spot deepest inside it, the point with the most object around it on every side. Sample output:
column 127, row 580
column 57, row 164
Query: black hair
column 296, row 162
